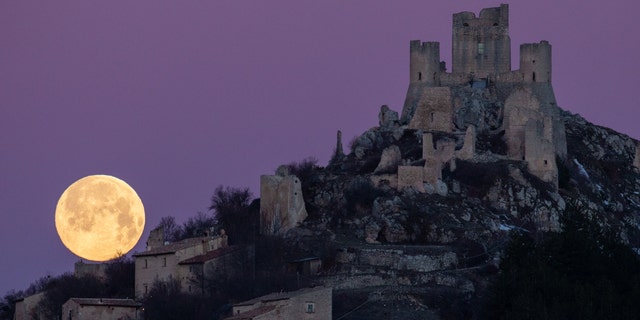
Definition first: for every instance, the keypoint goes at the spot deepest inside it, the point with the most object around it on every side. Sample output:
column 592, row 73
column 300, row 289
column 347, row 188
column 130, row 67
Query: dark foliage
column 492, row 142
column 564, row 174
column 58, row 290
column 477, row 177
column 8, row 301
column 581, row 273
column 172, row 230
column 304, row 169
column 307, row 171
column 360, row 194
column 234, row 213
column 198, row 226
column 166, row 301
column 120, row 278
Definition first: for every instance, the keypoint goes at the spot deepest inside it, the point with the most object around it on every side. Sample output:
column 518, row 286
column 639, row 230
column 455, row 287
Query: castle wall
column 540, row 153
column 468, row 149
column 482, row 45
column 410, row 176
column 520, row 107
column 434, row 111
column 281, row 204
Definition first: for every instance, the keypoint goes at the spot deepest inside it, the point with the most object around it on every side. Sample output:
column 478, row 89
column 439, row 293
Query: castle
column 482, row 95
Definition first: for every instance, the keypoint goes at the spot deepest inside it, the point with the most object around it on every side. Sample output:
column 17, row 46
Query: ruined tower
column 481, row 45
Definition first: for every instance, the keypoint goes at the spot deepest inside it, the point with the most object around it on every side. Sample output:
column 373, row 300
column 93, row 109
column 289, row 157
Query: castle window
column 146, row 264
column 533, row 61
column 480, row 48
column 533, row 77
column 495, row 24
column 545, row 162
column 164, row 261
column 419, row 76
column 465, row 24
column 311, row 308
column 146, row 288
column 432, row 117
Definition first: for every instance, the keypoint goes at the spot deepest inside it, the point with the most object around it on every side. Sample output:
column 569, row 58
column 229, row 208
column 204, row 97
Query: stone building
column 308, row 303
column 101, row 309
column 185, row 260
column 222, row 263
column 438, row 101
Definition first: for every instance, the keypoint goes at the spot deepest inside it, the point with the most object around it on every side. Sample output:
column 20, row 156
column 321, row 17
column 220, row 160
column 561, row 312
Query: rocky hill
column 438, row 249
column 413, row 220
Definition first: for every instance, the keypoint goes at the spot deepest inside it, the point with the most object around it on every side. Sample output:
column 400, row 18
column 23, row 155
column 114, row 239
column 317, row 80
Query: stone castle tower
column 481, row 64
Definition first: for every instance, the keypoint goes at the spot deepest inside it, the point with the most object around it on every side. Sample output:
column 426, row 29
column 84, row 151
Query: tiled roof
column 106, row 302
column 211, row 255
column 172, row 247
column 248, row 315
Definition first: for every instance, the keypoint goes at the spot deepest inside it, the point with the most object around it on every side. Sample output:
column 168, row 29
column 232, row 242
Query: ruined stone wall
column 281, row 204
column 544, row 93
column 468, row 149
column 434, row 111
column 482, row 45
column 519, row 108
column 540, row 153
column 411, row 176
column 454, row 79
column 97, row 270
column 156, row 238
column 393, row 265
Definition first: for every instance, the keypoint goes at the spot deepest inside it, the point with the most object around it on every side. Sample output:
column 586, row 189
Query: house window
column 480, row 48
column 311, row 307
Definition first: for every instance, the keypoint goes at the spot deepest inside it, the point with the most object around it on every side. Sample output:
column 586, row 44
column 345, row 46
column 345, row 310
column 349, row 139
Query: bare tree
column 232, row 210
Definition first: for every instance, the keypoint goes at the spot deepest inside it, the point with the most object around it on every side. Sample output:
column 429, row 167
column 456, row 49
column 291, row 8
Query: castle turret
column 482, row 45
column 535, row 61
column 424, row 63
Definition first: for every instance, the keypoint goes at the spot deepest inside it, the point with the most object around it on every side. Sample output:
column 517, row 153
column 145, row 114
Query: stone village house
column 307, row 303
column 101, row 309
column 189, row 261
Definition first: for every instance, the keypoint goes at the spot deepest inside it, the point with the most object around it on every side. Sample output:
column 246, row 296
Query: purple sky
column 177, row 97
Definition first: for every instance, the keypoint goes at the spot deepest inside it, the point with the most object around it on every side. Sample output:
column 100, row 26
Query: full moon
column 99, row 217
